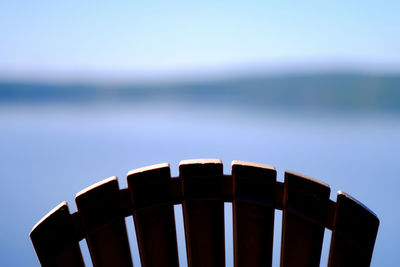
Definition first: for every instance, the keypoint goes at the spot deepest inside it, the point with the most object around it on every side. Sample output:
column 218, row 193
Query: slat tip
column 340, row 192
column 307, row 177
column 199, row 161
column 148, row 168
column 104, row 181
column 45, row 217
column 252, row 164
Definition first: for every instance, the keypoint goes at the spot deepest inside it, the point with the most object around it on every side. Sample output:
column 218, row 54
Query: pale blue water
column 50, row 153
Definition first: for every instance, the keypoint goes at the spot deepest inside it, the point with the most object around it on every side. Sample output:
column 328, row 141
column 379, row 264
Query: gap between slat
column 228, row 234
column 85, row 253
column 276, row 248
column 133, row 244
column 325, row 247
column 180, row 235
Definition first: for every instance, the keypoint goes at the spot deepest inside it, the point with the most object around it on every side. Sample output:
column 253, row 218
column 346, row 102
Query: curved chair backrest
column 202, row 189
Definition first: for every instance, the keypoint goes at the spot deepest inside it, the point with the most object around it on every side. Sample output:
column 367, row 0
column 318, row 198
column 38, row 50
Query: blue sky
column 79, row 38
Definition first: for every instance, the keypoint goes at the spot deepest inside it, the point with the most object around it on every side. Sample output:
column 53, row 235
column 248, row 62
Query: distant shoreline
column 352, row 92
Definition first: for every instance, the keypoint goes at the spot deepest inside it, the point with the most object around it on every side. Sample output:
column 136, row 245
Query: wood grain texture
column 303, row 224
column 253, row 213
column 202, row 189
column 354, row 234
column 108, row 243
column 154, row 218
column 55, row 241
column 203, row 212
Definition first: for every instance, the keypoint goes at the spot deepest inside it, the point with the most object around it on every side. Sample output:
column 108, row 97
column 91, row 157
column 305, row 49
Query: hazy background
column 95, row 89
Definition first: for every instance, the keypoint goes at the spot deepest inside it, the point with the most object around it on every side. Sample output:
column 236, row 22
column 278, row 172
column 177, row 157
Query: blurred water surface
column 50, row 150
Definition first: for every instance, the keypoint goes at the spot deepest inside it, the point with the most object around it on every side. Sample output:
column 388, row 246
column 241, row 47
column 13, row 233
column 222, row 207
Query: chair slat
column 304, row 217
column 253, row 213
column 55, row 241
column 203, row 218
column 154, row 223
column 99, row 205
column 354, row 234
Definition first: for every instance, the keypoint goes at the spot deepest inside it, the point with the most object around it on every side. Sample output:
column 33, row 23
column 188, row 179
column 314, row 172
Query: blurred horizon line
column 331, row 91
column 199, row 73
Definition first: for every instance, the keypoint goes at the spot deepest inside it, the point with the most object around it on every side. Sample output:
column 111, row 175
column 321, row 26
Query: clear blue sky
column 67, row 38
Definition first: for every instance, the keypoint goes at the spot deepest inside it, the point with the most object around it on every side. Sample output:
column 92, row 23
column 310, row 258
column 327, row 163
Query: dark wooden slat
column 55, row 240
column 354, row 234
column 203, row 218
column 306, row 202
column 150, row 189
column 99, row 205
column 253, row 213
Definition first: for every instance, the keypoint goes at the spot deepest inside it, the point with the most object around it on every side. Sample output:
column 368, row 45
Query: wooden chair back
column 202, row 189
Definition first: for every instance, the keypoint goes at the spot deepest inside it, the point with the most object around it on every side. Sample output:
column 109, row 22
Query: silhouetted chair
column 202, row 189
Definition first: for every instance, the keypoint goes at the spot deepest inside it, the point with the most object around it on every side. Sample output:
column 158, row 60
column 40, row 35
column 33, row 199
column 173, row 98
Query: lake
column 50, row 152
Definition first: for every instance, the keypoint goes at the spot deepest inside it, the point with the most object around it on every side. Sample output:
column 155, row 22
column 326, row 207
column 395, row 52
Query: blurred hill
column 344, row 92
